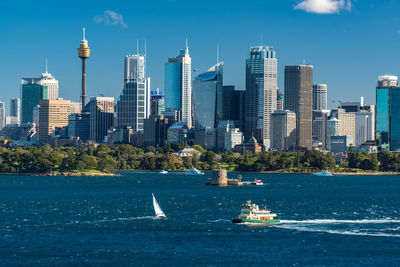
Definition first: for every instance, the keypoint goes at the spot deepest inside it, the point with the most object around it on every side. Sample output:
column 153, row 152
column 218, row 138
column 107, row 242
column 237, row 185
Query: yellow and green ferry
column 251, row 213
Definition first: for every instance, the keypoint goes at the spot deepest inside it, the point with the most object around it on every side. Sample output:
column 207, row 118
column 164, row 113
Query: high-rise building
column 320, row 119
column 157, row 102
column 320, row 96
column 332, row 129
column 52, row 85
column 207, row 97
column 283, row 130
column 279, row 103
column 261, row 93
column 15, row 109
column 79, row 124
column 155, row 131
column 2, row 115
column 101, row 117
column 364, row 127
column 83, row 54
column 52, row 114
column 32, row 92
column 233, row 105
column 388, row 113
column 178, row 86
column 134, row 102
column 350, row 106
column 298, row 98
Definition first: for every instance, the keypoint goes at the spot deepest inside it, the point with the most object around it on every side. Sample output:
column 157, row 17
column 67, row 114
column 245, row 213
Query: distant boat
column 257, row 182
column 157, row 209
column 193, row 171
column 323, row 173
column 163, row 172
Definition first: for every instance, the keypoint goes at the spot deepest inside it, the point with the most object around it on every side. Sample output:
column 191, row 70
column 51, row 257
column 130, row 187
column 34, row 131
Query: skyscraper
column 283, row 130
column 83, row 54
column 157, row 102
column 388, row 113
column 52, row 114
column 101, row 117
column 2, row 115
column 298, row 98
column 134, row 102
column 32, row 91
column 178, row 85
column 320, row 96
column 261, row 93
column 207, row 97
column 15, row 109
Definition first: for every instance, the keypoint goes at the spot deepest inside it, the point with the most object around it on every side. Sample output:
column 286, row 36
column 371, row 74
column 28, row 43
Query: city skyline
column 353, row 72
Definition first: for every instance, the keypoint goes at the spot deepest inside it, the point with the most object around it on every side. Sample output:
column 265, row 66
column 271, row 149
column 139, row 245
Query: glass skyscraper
column 261, row 93
column 388, row 113
column 178, row 86
column 31, row 94
column 134, row 102
column 207, row 97
column 320, row 97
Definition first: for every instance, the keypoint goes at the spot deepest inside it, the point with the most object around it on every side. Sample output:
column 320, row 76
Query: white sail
column 157, row 209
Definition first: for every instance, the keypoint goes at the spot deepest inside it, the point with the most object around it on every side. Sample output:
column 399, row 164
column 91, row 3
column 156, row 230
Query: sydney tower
column 84, row 53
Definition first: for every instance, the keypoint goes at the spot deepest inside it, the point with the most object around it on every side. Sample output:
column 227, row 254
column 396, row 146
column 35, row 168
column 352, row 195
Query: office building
column 101, row 117
column 320, row 96
column 364, row 127
column 279, row 103
column 233, row 102
column 350, row 106
column 35, row 89
column 178, row 86
column 52, row 114
column 208, row 98
column 134, row 102
column 261, row 93
column 388, row 113
column 2, row 115
column 340, row 143
column 15, row 110
column 320, row 119
column 157, row 102
column 79, row 125
column 76, row 107
column 298, row 98
column 283, row 130
column 155, row 131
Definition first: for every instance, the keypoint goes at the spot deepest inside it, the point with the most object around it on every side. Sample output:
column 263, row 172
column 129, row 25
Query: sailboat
column 157, row 209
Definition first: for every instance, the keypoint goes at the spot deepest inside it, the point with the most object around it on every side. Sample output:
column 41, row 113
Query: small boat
column 163, row 172
column 157, row 209
column 257, row 182
column 193, row 171
column 323, row 173
column 251, row 213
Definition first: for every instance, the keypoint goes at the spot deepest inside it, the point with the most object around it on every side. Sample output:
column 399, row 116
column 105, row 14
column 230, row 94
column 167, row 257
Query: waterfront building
column 298, row 98
column 320, row 96
column 52, row 114
column 157, row 102
column 178, row 86
column 208, row 97
column 101, row 117
column 155, row 131
column 283, row 130
column 15, row 110
column 206, row 137
column 261, row 93
column 2, row 115
column 251, row 146
column 134, row 102
column 340, row 143
column 388, row 113
column 79, row 125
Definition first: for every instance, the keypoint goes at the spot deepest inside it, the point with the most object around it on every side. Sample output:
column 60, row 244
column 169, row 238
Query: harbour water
column 340, row 220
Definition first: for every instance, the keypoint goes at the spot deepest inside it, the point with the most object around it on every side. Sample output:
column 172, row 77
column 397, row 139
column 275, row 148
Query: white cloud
column 110, row 18
column 324, row 6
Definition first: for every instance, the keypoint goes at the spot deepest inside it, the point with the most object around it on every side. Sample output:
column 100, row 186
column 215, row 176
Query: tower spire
column 46, row 66
column 84, row 38
column 186, row 47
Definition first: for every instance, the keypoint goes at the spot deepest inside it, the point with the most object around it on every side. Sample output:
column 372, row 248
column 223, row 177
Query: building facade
column 2, row 115
column 15, row 109
column 101, row 117
column 261, row 93
column 134, row 102
column 32, row 92
column 52, row 114
column 208, row 97
column 178, row 86
column 155, row 131
column 388, row 113
column 283, row 130
column 157, row 102
column 298, row 98
column 320, row 96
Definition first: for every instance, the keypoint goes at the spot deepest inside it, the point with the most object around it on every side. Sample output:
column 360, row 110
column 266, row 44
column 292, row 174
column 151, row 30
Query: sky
column 349, row 43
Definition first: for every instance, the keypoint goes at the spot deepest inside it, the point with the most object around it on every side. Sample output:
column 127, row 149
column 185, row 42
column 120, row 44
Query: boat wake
column 364, row 227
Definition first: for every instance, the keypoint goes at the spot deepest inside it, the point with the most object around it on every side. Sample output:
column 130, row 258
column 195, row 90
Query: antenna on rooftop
column 46, row 66
column 261, row 39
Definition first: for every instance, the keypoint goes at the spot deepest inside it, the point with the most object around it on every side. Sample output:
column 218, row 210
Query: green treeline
column 46, row 159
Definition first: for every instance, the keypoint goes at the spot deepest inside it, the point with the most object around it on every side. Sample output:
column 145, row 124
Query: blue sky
column 349, row 43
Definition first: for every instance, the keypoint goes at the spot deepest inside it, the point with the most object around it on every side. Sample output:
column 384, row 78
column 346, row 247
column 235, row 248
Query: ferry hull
column 236, row 220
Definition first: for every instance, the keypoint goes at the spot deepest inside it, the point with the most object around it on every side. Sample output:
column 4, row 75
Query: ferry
column 250, row 213
column 163, row 172
column 323, row 173
column 193, row 171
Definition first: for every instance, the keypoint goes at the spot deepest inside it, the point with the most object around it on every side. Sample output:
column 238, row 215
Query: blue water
column 341, row 220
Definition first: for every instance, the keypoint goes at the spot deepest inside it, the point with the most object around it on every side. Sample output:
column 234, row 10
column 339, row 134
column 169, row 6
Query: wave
column 317, row 224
